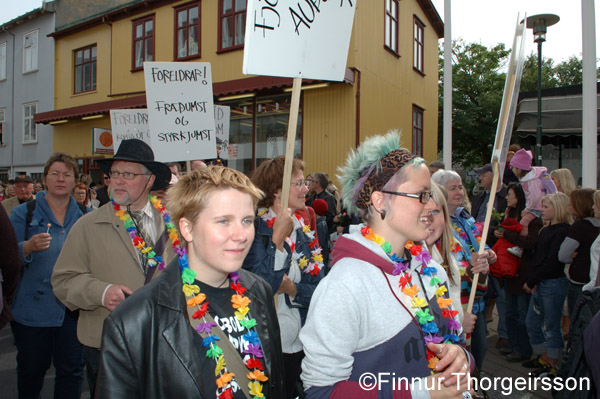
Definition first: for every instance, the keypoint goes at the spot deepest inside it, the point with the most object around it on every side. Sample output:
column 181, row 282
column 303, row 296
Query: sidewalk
column 8, row 371
column 494, row 365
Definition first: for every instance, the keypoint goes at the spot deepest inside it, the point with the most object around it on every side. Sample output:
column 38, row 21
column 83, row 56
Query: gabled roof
column 432, row 15
column 21, row 19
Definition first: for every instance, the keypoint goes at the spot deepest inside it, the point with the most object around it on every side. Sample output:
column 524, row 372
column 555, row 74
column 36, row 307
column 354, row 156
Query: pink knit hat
column 522, row 159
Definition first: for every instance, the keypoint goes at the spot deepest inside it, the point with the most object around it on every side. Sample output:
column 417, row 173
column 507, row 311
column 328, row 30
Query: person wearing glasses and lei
column 466, row 251
column 384, row 306
column 286, row 253
column 205, row 328
column 115, row 250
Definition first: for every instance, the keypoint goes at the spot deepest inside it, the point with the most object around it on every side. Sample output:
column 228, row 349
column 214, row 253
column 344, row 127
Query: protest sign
column 129, row 124
column 180, row 110
column 307, row 39
column 222, row 117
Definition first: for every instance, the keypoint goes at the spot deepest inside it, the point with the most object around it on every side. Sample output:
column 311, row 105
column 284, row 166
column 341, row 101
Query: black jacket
column 546, row 265
column 148, row 344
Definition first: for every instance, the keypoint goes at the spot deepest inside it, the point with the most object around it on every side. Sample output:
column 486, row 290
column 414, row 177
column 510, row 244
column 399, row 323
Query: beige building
column 391, row 79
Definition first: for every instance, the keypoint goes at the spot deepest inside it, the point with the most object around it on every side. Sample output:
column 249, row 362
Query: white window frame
column 30, row 51
column 2, row 127
column 3, row 61
column 29, row 137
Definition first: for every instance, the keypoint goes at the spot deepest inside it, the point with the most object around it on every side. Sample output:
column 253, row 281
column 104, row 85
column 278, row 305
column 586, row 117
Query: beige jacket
column 12, row 203
column 98, row 252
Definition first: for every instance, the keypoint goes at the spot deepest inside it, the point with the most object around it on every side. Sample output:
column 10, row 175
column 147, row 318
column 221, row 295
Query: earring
column 382, row 213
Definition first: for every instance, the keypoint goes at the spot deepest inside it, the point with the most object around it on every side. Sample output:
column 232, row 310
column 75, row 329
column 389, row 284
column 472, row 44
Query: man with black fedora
column 99, row 265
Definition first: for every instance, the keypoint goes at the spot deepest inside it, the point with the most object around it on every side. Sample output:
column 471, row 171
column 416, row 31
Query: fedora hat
column 135, row 150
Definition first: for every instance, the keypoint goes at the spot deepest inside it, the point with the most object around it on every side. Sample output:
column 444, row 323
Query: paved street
column 8, row 372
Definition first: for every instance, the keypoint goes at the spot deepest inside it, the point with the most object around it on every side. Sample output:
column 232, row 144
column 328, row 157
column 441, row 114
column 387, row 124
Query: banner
column 180, row 104
column 129, row 124
column 304, row 39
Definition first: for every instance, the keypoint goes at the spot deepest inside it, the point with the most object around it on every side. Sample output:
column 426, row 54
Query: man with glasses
column 24, row 193
column 99, row 265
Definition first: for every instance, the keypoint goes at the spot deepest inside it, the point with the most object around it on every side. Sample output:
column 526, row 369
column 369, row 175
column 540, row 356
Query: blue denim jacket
column 261, row 261
column 35, row 304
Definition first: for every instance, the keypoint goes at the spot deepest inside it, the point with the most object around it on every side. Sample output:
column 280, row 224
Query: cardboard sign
column 180, row 110
column 102, row 141
column 298, row 39
column 222, row 117
column 129, row 124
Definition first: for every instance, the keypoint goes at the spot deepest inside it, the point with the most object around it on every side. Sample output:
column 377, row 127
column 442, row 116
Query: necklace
column 194, row 298
column 425, row 319
column 311, row 264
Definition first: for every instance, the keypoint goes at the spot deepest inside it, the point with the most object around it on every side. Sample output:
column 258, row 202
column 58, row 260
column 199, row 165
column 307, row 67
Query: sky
column 492, row 22
column 476, row 21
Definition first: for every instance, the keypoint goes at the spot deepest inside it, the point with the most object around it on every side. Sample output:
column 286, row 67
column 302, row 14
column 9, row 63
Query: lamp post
column 539, row 23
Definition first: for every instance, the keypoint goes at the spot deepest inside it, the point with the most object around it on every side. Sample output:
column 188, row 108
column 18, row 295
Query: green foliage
column 478, row 85
column 478, row 76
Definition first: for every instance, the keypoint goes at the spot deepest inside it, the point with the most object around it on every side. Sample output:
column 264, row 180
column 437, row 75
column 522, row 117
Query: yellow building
column 391, row 79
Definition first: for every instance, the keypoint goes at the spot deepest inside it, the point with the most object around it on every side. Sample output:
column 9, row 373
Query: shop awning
column 561, row 113
column 220, row 89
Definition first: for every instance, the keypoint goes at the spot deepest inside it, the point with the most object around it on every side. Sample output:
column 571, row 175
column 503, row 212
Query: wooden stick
column 486, row 228
column 188, row 166
column 291, row 140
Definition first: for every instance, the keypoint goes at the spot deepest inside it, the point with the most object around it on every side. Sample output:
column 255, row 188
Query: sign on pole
column 222, row 117
column 180, row 110
column 304, row 39
column 129, row 124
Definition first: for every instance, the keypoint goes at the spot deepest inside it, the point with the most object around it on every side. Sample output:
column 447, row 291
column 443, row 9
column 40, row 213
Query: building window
column 391, row 25
column 187, row 31
column 30, row 51
column 258, row 130
column 29, row 130
column 417, row 130
column 2, row 126
column 2, row 61
column 232, row 19
column 419, row 45
column 143, row 42
column 85, row 69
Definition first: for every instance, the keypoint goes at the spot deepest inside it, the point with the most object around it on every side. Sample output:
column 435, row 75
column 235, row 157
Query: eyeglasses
column 55, row 174
column 424, row 196
column 126, row 175
column 301, row 183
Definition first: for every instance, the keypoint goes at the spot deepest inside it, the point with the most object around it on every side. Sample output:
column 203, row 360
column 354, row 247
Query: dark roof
column 557, row 91
column 433, row 16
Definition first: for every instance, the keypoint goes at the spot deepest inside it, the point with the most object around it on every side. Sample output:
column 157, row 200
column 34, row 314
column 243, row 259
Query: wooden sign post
column 305, row 40
column 503, row 133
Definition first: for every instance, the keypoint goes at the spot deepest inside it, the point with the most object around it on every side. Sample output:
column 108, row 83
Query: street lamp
column 539, row 23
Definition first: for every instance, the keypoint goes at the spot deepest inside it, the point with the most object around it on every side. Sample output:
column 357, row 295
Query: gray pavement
column 8, row 372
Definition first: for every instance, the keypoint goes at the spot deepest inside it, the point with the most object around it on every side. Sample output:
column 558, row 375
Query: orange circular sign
column 106, row 139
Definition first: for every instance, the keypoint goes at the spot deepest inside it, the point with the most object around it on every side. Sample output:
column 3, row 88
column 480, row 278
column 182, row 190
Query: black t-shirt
column 222, row 311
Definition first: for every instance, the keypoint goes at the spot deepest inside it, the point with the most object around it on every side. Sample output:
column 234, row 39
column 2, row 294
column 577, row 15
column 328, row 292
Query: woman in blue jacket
column 45, row 331
column 286, row 253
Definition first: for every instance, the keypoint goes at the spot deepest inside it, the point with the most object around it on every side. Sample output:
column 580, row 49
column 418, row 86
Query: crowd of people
column 202, row 284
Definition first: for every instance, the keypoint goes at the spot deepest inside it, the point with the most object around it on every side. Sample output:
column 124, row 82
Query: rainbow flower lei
column 194, row 298
column 422, row 314
column 311, row 265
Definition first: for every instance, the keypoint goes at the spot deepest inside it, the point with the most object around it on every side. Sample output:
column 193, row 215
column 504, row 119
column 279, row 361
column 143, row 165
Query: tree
column 478, row 84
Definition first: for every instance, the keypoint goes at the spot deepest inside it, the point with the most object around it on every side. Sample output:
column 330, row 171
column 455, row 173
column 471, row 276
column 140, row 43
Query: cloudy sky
column 482, row 21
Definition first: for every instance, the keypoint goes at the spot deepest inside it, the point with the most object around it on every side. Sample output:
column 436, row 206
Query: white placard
column 304, row 39
column 129, row 124
column 222, row 117
column 180, row 110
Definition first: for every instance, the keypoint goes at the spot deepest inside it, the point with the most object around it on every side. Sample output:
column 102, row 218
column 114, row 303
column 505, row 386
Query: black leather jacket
column 148, row 348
